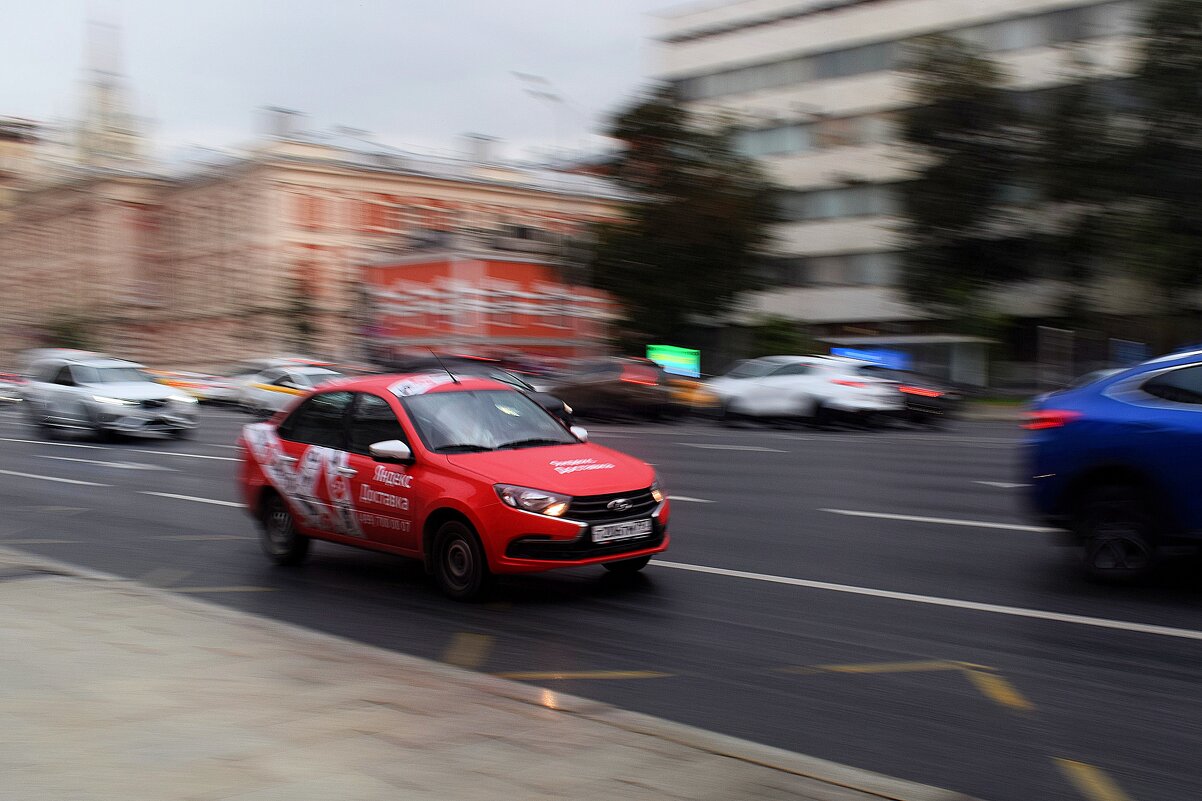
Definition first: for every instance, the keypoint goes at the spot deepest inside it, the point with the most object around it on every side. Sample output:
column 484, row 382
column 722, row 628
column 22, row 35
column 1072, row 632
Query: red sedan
column 466, row 474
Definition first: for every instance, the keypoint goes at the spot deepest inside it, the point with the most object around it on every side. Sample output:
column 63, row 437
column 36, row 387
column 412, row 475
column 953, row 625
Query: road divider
column 53, row 478
column 942, row 521
column 718, row 447
column 954, row 603
column 193, row 498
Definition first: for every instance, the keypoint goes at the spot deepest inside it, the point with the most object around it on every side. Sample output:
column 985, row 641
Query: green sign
column 676, row 361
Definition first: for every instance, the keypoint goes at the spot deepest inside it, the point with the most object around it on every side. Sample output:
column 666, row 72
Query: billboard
column 676, row 361
column 893, row 359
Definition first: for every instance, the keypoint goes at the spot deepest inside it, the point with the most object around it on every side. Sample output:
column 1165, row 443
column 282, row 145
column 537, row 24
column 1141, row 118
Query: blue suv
column 1118, row 462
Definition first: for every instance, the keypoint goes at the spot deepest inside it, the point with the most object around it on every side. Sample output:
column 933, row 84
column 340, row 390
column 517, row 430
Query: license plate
column 631, row 529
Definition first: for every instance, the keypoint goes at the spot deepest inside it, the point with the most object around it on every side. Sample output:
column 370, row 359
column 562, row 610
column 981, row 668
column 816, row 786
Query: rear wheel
column 1118, row 527
column 628, row 567
column 459, row 564
column 282, row 543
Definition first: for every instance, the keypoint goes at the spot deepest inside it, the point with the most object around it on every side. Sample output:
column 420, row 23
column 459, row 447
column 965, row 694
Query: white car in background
column 271, row 390
column 106, row 396
column 819, row 389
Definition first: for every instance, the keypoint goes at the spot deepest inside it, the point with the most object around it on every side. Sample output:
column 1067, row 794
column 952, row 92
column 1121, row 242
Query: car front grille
column 153, row 404
column 612, row 507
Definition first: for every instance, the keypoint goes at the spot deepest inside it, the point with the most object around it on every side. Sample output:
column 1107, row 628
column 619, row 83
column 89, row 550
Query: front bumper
column 149, row 421
column 568, row 543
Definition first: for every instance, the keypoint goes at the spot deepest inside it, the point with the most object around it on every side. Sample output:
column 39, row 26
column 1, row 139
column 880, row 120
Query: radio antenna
column 443, row 366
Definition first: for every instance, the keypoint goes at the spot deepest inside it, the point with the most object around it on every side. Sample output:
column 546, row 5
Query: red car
column 467, row 474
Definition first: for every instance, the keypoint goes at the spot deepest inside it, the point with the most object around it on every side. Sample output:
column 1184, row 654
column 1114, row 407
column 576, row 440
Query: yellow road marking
column 468, row 650
column 231, row 588
column 1091, row 782
column 998, row 690
column 568, row 675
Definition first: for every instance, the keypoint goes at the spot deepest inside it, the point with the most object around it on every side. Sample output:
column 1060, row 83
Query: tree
column 959, row 229
column 774, row 336
column 697, row 214
column 1160, row 232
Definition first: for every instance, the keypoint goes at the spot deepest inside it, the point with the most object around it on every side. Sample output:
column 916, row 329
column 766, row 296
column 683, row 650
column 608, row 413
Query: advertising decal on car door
column 302, row 484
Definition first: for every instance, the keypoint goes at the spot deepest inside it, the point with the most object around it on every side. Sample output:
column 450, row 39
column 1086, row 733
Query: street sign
column 676, row 361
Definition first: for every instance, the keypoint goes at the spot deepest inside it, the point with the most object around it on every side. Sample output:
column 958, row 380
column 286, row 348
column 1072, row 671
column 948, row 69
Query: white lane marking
column 58, row 444
column 1001, row 484
column 119, row 465
column 610, row 435
column 189, row 455
column 190, row 498
column 687, row 499
column 943, row 521
column 713, row 447
column 956, row 603
column 53, row 478
column 215, row 445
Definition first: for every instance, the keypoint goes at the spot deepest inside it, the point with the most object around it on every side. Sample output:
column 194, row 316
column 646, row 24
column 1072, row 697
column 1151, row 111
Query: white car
column 273, row 389
column 106, row 396
column 819, row 389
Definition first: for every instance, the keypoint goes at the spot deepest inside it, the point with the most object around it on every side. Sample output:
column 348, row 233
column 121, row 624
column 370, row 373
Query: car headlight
column 567, row 408
column 533, row 500
column 657, row 492
column 113, row 401
column 188, row 399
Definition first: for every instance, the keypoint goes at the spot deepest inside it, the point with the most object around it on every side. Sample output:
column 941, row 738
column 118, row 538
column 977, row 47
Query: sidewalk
column 112, row 690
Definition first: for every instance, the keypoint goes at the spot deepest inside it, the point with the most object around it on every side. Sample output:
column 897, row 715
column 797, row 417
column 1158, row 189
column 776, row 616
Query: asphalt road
column 800, row 604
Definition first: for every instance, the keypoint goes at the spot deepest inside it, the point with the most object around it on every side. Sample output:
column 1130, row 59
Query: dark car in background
column 487, row 368
column 617, row 388
column 928, row 401
column 1116, row 462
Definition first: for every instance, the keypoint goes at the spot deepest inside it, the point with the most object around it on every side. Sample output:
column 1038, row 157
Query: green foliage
column 68, row 332
column 957, row 220
column 697, row 215
column 777, row 336
column 1161, row 231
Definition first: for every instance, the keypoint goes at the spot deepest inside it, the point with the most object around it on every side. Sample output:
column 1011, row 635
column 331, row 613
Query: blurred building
column 18, row 146
column 483, row 301
column 256, row 253
column 815, row 86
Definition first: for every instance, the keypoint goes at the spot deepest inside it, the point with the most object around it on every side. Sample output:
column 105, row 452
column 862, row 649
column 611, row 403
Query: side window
column 84, row 375
column 373, row 420
column 63, row 377
column 793, row 369
column 269, row 376
column 319, row 421
column 1178, row 386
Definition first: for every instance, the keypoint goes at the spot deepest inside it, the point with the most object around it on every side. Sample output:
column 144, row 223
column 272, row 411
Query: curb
column 832, row 773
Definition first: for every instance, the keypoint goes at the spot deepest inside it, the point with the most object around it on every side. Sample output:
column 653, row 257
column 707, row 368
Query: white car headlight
column 183, row 399
column 533, row 500
column 113, row 401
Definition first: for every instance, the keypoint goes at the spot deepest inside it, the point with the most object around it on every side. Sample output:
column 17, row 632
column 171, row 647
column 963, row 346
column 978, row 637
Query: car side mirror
column 392, row 450
column 579, row 432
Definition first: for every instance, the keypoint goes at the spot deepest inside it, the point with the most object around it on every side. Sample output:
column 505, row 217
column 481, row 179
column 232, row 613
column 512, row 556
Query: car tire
column 183, row 433
column 728, row 417
column 278, row 536
column 460, row 568
column 627, row 567
column 1118, row 530
column 822, row 417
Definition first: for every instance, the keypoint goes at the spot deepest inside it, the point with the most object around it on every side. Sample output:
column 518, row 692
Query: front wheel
column 282, row 543
column 628, row 567
column 1118, row 529
column 459, row 564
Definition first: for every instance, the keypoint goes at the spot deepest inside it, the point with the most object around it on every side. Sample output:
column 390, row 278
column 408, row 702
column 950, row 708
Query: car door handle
column 346, row 471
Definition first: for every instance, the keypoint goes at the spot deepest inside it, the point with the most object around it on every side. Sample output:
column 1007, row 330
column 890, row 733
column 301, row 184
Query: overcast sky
column 412, row 72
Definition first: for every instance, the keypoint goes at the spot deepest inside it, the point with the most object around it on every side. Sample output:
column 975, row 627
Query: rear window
column 1178, row 386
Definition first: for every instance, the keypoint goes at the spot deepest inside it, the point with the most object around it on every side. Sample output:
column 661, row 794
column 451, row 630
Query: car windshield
column 111, row 375
column 483, row 420
column 752, row 369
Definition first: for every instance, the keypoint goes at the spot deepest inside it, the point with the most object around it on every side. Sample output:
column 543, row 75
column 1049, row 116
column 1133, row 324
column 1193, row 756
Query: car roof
column 419, row 383
column 93, row 361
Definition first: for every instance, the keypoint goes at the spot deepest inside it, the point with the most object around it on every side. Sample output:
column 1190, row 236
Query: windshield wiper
column 530, row 443
column 464, row 447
